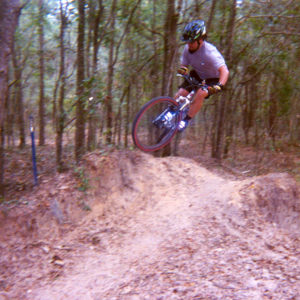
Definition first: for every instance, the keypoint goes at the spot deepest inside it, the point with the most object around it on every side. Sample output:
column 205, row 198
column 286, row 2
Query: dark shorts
column 210, row 81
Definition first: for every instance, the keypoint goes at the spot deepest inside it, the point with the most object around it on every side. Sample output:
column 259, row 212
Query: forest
column 84, row 214
column 82, row 69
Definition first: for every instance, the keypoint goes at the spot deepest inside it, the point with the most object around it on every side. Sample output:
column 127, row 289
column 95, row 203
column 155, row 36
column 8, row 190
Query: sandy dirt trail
column 167, row 228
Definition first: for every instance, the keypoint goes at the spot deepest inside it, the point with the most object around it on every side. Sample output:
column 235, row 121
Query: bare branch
column 126, row 30
column 280, row 33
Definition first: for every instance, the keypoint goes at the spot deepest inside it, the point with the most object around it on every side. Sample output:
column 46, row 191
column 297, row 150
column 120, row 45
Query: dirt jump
column 132, row 226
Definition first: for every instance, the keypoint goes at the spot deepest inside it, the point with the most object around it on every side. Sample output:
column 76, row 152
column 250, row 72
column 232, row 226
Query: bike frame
column 165, row 123
column 186, row 101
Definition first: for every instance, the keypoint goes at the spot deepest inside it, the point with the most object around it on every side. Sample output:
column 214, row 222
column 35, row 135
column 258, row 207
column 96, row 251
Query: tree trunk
column 154, row 74
column 113, row 58
column 80, row 110
column 127, row 116
column 225, row 97
column 41, row 78
column 91, row 140
column 9, row 14
column 211, row 15
column 272, row 111
column 170, row 49
column 110, row 76
column 9, row 118
column 96, row 43
column 60, row 120
column 18, row 70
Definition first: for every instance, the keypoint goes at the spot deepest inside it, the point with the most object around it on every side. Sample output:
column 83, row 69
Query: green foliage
column 285, row 92
column 258, row 55
column 83, row 181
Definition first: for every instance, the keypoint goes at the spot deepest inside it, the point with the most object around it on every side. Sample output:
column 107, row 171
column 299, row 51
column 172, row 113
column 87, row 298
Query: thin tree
column 80, row 109
column 211, row 15
column 217, row 149
column 96, row 38
column 109, row 107
column 9, row 14
column 18, row 66
column 42, row 74
column 112, row 60
column 61, row 113
column 170, row 49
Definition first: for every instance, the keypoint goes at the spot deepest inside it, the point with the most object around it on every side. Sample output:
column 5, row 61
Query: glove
column 215, row 89
column 183, row 70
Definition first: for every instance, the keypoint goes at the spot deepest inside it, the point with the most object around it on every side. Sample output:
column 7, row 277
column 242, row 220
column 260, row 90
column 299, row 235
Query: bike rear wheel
column 150, row 130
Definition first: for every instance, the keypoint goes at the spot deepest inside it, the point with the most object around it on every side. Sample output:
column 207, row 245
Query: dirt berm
column 153, row 228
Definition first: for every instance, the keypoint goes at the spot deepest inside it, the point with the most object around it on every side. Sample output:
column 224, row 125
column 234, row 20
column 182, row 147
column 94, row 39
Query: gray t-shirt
column 206, row 60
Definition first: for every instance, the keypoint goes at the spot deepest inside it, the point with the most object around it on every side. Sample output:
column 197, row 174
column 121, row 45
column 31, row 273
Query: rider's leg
column 181, row 92
column 197, row 103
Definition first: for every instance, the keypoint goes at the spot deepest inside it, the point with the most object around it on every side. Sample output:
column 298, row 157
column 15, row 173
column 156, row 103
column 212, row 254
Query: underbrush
column 242, row 161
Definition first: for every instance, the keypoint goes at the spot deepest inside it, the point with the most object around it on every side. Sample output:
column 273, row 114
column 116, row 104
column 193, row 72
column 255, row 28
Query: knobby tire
column 148, row 137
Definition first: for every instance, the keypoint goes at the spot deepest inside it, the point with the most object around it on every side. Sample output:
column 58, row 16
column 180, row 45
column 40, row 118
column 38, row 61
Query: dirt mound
column 144, row 227
column 276, row 197
column 115, row 180
column 127, row 178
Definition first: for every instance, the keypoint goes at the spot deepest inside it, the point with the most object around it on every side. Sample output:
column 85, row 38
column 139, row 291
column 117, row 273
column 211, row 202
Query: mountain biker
column 207, row 64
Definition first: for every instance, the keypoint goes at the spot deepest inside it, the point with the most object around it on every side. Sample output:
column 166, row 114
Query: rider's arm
column 224, row 74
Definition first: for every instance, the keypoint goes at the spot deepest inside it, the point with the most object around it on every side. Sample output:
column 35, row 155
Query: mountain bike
column 157, row 121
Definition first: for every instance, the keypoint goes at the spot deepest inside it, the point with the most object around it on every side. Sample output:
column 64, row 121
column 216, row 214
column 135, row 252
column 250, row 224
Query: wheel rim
column 150, row 132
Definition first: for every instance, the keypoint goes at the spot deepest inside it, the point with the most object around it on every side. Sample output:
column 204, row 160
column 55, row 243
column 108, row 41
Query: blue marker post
column 33, row 151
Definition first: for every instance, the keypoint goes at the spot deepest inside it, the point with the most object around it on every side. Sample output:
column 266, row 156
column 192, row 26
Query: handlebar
column 193, row 81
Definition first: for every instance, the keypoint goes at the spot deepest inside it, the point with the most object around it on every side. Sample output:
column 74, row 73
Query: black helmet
column 193, row 31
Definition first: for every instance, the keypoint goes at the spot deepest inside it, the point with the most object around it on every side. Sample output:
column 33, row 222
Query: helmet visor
column 187, row 37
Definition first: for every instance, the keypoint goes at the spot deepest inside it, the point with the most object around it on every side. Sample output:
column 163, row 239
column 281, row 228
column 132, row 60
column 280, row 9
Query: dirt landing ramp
column 163, row 228
column 276, row 198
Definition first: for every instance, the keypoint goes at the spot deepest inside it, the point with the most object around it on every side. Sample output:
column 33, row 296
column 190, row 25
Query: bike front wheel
column 151, row 129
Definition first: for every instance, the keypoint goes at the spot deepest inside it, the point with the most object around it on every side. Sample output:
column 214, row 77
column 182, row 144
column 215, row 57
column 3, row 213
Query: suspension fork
column 185, row 101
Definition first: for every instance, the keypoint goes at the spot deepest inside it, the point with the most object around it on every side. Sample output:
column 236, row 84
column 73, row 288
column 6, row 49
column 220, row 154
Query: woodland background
column 84, row 68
